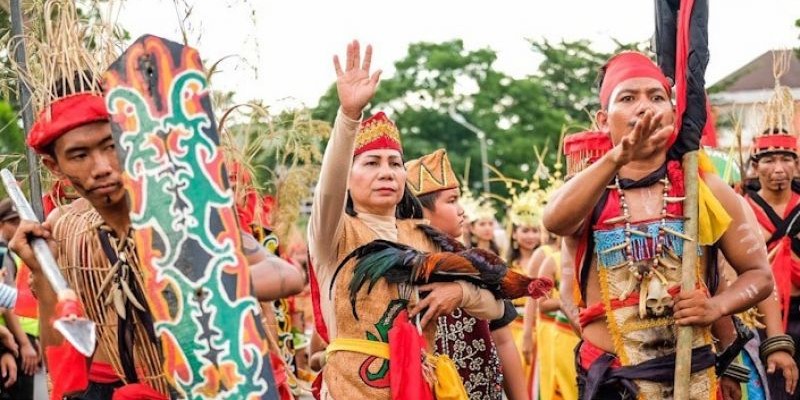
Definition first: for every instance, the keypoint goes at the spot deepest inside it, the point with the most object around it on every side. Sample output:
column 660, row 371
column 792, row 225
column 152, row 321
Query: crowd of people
column 408, row 287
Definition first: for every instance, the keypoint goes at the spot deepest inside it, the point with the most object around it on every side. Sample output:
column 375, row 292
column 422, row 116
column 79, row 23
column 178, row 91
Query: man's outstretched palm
column 647, row 135
column 354, row 83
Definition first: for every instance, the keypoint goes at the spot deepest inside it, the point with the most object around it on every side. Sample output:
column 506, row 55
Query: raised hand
column 354, row 84
column 645, row 137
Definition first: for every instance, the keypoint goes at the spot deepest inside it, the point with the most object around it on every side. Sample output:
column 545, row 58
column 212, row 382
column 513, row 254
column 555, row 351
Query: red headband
column 629, row 65
column 65, row 114
column 774, row 143
column 377, row 132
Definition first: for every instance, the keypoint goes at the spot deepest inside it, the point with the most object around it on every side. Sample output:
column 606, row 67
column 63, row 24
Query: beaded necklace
column 646, row 275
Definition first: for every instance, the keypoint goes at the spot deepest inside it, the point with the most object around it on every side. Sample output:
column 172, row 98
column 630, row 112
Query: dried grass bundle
column 68, row 48
column 779, row 110
column 68, row 45
column 281, row 155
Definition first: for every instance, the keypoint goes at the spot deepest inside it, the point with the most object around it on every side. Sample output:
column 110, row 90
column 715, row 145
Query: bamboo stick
column 683, row 354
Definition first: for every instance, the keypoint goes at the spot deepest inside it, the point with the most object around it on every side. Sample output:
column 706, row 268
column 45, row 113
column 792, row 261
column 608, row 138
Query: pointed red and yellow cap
column 377, row 132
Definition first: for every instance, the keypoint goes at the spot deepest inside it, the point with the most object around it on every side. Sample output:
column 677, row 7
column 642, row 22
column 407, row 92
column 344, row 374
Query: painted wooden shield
column 196, row 278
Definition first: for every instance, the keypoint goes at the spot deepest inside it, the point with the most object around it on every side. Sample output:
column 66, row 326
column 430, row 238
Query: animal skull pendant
column 658, row 302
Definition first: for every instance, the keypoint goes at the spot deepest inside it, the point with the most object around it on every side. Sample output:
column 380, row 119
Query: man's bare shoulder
column 724, row 193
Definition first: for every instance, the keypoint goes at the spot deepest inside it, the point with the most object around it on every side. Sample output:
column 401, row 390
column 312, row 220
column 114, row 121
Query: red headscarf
column 65, row 114
column 629, row 65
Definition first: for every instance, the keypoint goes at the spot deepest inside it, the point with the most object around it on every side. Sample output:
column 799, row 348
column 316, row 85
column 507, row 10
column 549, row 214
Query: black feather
column 374, row 260
column 373, row 246
column 441, row 239
column 492, row 268
column 398, row 263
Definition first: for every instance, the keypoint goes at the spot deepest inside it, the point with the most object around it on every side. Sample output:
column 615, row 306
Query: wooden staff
column 683, row 354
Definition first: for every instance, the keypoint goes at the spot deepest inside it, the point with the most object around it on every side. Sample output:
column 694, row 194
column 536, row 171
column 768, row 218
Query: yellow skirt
column 556, row 343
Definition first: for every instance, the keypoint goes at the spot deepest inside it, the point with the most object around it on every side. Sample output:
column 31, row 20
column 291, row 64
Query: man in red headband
column 73, row 137
column 623, row 219
column 72, row 134
column 777, row 206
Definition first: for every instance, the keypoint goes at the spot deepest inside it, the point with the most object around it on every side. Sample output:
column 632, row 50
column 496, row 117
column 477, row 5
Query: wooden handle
column 683, row 354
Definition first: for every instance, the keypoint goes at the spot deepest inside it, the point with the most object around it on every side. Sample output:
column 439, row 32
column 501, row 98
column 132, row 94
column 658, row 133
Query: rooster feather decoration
column 401, row 264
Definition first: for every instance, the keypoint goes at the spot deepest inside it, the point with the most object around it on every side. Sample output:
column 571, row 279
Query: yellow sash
column 368, row 347
column 448, row 385
column 713, row 220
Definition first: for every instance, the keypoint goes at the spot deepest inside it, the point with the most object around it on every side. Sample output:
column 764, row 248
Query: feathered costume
column 399, row 263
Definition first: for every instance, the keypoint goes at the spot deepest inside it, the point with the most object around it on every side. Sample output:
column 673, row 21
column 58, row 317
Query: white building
column 741, row 96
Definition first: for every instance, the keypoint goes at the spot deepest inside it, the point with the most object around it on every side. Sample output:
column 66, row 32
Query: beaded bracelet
column 737, row 372
column 776, row 343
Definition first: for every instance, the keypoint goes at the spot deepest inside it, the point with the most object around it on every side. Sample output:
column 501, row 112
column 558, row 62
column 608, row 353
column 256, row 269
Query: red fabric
column 316, row 387
column 675, row 175
column 68, row 370
column 57, row 195
column 48, row 204
column 406, row 349
column 785, row 269
column 27, row 305
column 249, row 215
column 246, row 212
column 382, row 142
column 598, row 310
column 247, row 208
column 319, row 322
column 388, row 135
column 102, row 373
column 281, row 378
column 629, row 65
column 67, row 308
column 775, row 142
column 709, row 135
column 268, row 204
column 588, row 353
column 65, row 114
column 580, row 255
column 239, row 174
column 586, row 141
column 137, row 391
column 681, row 60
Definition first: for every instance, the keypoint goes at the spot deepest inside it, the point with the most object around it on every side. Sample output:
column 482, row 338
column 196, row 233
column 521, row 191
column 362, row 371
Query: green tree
column 12, row 144
column 435, row 78
column 515, row 113
column 568, row 72
column 282, row 152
